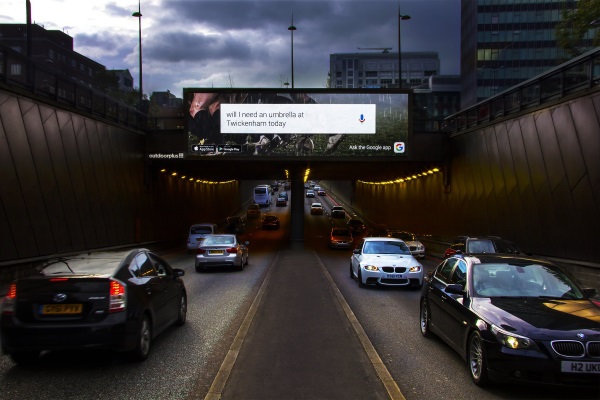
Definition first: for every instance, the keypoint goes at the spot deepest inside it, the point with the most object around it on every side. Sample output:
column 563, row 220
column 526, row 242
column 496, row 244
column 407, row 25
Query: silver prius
column 222, row 250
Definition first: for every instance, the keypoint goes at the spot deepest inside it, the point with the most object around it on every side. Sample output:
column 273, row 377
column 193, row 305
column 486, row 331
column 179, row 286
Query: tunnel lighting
column 400, row 180
column 191, row 179
column 174, row 174
column 163, row 170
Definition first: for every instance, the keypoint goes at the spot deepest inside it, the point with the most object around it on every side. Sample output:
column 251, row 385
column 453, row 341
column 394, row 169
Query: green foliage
column 107, row 82
column 576, row 23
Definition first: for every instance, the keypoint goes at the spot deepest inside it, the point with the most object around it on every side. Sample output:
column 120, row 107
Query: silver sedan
column 222, row 250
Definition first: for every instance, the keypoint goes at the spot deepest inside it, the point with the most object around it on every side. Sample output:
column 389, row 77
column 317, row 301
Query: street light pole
column 400, row 18
column 292, row 28
column 138, row 14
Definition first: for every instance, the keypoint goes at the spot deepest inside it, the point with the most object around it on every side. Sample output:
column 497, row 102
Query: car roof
column 104, row 263
column 382, row 239
column 492, row 258
column 340, row 229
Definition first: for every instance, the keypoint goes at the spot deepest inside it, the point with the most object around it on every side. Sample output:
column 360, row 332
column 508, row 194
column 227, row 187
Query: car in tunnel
column 356, row 225
column 253, row 211
column 197, row 234
column 117, row 300
column 316, row 209
column 338, row 212
column 481, row 245
column 385, row 261
column 221, row 250
column 414, row 244
column 234, row 224
column 514, row 319
column 341, row 238
column 270, row 222
column 281, row 202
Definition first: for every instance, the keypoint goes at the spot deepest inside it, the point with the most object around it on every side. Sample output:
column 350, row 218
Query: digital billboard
column 297, row 123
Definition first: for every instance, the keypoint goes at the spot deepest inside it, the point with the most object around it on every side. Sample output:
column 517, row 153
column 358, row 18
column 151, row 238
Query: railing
column 579, row 74
column 17, row 70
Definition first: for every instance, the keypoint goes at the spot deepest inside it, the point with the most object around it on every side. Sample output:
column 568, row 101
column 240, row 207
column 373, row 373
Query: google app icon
column 399, row 147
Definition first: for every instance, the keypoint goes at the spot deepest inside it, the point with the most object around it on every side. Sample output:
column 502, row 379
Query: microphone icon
column 362, row 118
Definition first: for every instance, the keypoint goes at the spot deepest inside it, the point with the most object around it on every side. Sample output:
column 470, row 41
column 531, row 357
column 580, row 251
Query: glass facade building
column 380, row 70
column 505, row 42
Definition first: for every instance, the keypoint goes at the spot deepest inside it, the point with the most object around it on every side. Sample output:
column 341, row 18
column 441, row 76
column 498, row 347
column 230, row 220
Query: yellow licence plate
column 54, row 309
column 216, row 252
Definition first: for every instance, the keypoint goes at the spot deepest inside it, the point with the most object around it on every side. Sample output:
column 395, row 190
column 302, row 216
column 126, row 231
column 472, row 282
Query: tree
column 576, row 23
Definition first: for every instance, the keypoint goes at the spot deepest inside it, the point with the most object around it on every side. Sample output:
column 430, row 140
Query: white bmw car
column 385, row 261
column 412, row 241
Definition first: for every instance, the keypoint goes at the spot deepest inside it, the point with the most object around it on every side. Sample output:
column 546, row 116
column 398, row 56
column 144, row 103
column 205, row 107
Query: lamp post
column 138, row 14
column 292, row 28
column 400, row 18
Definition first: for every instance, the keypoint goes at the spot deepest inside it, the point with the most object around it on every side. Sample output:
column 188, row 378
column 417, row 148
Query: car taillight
column 117, row 297
column 231, row 250
column 8, row 303
column 200, row 251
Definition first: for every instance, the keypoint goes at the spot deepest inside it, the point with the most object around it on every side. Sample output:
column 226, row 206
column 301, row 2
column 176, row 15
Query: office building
column 379, row 69
column 505, row 42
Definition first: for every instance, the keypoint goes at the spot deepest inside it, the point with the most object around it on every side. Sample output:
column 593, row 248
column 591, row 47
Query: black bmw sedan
column 514, row 318
column 112, row 300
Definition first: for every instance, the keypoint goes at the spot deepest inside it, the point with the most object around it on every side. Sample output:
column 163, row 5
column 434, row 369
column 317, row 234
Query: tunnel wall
column 533, row 179
column 72, row 183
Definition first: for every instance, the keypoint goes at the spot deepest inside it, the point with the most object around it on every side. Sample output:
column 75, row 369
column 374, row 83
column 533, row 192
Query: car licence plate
column 56, row 309
column 578, row 367
column 394, row 276
column 216, row 252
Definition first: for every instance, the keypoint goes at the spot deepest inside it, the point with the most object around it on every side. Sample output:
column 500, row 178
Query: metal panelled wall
column 534, row 179
column 68, row 182
column 71, row 183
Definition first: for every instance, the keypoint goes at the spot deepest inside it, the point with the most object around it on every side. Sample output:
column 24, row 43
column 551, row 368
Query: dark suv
column 481, row 245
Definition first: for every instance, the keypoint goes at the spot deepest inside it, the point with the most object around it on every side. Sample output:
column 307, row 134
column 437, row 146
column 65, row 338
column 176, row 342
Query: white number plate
column 580, row 367
column 394, row 276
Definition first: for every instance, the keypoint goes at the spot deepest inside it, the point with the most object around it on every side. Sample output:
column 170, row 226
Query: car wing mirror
column 356, row 251
column 455, row 288
column 589, row 292
column 178, row 272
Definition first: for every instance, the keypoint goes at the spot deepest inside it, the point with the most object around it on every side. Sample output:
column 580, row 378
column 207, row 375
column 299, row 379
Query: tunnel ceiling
column 252, row 169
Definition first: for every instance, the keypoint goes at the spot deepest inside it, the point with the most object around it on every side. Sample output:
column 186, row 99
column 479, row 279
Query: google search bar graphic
column 298, row 118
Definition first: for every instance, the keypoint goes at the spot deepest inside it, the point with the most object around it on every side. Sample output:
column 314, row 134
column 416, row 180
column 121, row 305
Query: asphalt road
column 184, row 361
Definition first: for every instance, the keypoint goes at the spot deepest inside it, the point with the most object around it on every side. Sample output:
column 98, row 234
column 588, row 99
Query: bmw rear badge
column 59, row 297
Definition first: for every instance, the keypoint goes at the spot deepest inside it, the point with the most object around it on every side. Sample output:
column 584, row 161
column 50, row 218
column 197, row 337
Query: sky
column 242, row 43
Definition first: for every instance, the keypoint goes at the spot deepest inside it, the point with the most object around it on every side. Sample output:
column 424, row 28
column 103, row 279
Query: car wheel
column 359, row 279
column 476, row 358
column 25, row 357
column 241, row 266
column 182, row 315
column 247, row 257
column 351, row 273
column 144, row 339
column 424, row 319
column 198, row 269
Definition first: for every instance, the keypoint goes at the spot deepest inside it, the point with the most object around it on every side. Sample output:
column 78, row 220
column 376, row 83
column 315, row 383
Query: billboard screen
column 297, row 123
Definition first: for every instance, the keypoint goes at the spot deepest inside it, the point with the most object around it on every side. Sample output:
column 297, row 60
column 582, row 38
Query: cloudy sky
column 242, row 43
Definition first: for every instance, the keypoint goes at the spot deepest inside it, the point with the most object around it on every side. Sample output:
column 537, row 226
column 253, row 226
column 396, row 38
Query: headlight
column 416, row 268
column 371, row 268
column 511, row 340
